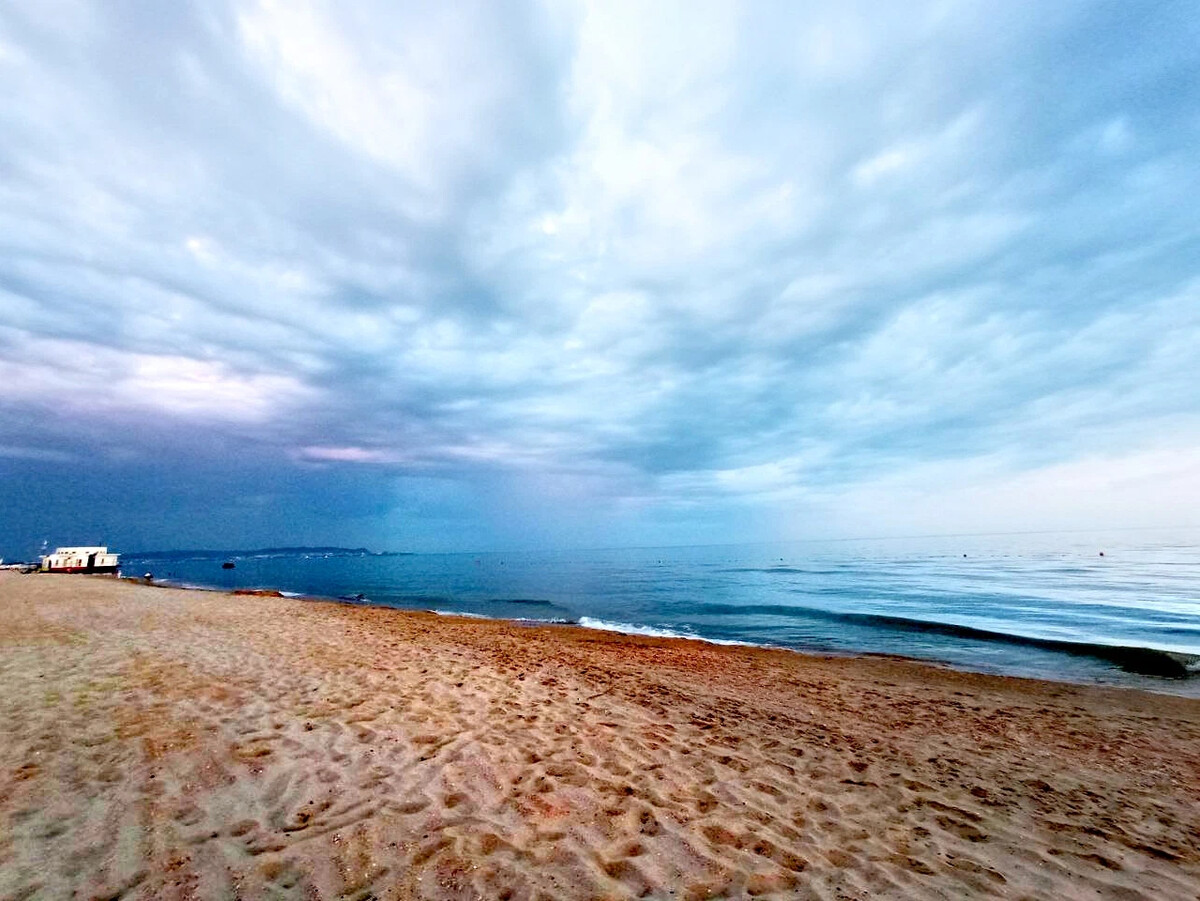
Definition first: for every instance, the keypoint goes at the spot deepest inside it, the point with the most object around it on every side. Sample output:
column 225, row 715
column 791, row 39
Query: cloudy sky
column 454, row 276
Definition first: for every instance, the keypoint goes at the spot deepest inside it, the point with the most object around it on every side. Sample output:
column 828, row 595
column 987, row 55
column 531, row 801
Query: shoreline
column 1176, row 671
column 167, row 742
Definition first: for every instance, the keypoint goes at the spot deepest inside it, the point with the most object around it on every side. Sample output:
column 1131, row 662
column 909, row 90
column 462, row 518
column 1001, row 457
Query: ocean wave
column 1145, row 661
column 188, row 586
column 589, row 622
column 1131, row 658
column 523, row 620
column 416, row 600
column 782, row 570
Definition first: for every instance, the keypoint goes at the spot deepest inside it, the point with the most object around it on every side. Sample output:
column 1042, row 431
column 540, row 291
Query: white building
column 80, row 560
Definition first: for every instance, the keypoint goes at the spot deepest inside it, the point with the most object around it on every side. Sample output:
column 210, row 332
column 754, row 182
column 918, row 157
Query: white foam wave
column 460, row 613
column 603, row 625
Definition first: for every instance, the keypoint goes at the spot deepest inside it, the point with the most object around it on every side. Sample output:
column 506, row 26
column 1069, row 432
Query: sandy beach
column 159, row 743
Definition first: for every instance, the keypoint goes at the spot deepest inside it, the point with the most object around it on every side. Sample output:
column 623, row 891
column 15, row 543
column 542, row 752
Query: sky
column 506, row 275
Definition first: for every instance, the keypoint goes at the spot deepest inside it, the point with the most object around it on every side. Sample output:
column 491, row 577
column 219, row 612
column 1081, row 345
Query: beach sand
column 158, row 743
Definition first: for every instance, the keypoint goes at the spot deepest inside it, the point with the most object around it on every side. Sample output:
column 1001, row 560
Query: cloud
column 13, row 452
column 1137, row 489
column 83, row 379
column 619, row 272
column 348, row 455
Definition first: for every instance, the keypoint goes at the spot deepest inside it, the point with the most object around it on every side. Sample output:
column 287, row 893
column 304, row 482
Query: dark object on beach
column 1102, row 553
column 149, row 577
column 228, row 564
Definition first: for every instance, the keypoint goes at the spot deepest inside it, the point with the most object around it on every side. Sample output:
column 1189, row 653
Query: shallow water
column 1045, row 605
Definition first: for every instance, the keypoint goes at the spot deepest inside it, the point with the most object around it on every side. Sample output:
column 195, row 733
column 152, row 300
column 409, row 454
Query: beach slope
column 158, row 743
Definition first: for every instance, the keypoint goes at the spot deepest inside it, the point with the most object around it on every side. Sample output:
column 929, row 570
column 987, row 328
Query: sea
column 1120, row 608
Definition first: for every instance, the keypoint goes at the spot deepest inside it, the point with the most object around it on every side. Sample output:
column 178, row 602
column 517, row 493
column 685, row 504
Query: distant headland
column 210, row 554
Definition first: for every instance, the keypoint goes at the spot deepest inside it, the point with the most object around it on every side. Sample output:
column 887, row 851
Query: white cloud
column 49, row 455
column 423, row 90
column 1155, row 486
column 90, row 381
column 348, row 455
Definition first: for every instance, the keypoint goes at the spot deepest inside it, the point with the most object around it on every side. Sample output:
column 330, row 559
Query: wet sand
column 157, row 743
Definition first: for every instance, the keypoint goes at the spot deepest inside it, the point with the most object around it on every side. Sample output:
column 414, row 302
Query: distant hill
column 260, row 552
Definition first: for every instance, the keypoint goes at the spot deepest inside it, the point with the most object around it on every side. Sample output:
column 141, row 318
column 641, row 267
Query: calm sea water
column 1049, row 606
